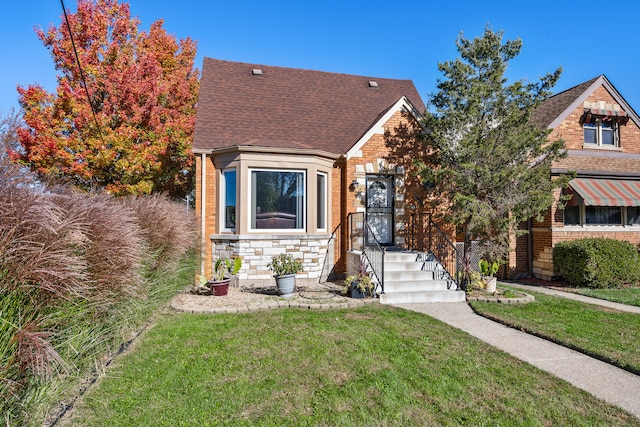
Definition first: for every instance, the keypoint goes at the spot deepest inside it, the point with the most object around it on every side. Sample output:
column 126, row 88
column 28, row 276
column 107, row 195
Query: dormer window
column 601, row 124
column 601, row 133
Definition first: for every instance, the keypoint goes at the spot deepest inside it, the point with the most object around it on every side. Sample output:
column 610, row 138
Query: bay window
column 277, row 200
column 229, row 199
column 321, row 207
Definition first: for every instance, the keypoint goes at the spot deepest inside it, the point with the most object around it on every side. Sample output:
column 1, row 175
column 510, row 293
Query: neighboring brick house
column 284, row 155
column 602, row 136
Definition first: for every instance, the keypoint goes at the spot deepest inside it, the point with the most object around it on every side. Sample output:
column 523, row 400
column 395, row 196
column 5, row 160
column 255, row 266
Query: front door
column 380, row 195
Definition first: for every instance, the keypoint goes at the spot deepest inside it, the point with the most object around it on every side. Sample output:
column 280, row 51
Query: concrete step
column 415, row 285
column 421, row 297
column 424, row 275
column 402, row 266
column 398, row 256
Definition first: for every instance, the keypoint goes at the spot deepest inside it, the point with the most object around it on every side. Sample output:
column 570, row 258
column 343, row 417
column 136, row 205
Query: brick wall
column 551, row 230
column 211, row 218
column 571, row 131
column 371, row 159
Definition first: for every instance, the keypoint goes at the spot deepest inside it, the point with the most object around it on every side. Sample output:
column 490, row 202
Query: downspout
column 530, row 247
column 203, row 193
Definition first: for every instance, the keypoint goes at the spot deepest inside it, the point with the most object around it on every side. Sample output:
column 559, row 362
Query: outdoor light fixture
column 353, row 185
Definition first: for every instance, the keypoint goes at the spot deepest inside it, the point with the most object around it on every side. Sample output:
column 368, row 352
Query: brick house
column 602, row 136
column 284, row 156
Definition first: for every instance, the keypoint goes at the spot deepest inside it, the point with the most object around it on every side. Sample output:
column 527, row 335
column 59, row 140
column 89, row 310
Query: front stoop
column 410, row 277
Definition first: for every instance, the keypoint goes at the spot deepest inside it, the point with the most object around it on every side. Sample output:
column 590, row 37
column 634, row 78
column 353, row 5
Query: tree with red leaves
column 130, row 130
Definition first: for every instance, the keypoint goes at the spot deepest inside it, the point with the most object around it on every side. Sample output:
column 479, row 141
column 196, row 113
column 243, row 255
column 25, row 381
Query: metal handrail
column 326, row 255
column 378, row 270
column 444, row 250
column 375, row 254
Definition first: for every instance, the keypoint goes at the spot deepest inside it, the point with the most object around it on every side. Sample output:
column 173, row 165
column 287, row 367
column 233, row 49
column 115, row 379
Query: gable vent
column 256, row 72
column 373, row 83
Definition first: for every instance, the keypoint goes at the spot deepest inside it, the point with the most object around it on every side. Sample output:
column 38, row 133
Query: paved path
column 606, row 382
column 577, row 297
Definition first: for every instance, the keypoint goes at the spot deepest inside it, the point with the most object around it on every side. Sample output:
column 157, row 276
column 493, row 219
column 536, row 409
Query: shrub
column 76, row 279
column 112, row 244
column 597, row 262
column 169, row 231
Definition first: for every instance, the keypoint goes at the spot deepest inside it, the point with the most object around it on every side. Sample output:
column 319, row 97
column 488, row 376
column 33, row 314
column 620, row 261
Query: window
column 277, row 200
column 603, row 215
column 572, row 215
column 601, row 132
column 633, row 215
column 229, row 198
column 321, row 207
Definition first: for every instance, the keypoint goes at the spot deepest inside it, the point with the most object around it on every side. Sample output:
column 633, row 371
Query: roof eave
column 268, row 150
column 579, row 101
column 403, row 102
column 589, row 173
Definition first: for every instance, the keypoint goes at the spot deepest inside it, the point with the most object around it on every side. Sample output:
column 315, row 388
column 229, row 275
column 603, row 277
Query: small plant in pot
column 468, row 277
column 488, row 270
column 223, row 271
column 359, row 285
column 284, row 269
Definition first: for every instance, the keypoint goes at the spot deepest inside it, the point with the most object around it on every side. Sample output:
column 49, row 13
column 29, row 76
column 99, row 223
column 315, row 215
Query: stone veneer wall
column 316, row 252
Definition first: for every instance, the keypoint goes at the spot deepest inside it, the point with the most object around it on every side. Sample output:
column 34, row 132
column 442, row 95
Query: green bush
column 597, row 262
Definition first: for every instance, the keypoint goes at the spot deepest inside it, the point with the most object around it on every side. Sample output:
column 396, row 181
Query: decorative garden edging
column 198, row 304
column 524, row 299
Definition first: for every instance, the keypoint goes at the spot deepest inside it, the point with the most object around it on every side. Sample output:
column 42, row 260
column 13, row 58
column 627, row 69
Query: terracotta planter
column 220, row 288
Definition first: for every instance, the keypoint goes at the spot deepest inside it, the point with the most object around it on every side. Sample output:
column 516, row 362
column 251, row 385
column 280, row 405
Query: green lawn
column 598, row 331
column 630, row 296
column 372, row 366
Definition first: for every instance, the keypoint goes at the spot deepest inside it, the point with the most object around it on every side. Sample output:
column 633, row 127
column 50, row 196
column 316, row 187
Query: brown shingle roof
column 610, row 163
column 290, row 108
column 553, row 106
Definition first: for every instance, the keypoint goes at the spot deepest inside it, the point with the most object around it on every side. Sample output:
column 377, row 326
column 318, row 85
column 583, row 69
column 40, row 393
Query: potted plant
column 359, row 285
column 488, row 270
column 223, row 271
column 284, row 269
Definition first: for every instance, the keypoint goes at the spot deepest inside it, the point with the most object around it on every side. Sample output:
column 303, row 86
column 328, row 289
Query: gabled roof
column 556, row 108
column 244, row 104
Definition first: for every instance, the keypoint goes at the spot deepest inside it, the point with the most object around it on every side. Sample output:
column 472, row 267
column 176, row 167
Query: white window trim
column 302, row 230
column 612, row 227
column 616, row 136
column 223, row 199
column 326, row 201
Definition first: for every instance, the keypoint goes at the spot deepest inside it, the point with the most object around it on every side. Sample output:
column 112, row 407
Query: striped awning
column 610, row 192
column 618, row 116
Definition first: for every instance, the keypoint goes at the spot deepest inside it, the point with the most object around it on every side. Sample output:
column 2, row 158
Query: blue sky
column 379, row 39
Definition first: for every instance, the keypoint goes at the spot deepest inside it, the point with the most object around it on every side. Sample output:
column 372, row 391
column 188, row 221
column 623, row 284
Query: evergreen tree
column 487, row 159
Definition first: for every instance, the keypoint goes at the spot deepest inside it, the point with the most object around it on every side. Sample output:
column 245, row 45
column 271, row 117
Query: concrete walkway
column 604, row 381
column 576, row 297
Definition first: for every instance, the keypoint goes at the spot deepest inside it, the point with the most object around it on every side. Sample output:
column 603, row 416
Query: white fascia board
column 402, row 103
column 201, row 150
column 579, row 102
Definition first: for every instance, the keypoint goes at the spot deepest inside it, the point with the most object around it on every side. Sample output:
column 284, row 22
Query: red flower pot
column 221, row 288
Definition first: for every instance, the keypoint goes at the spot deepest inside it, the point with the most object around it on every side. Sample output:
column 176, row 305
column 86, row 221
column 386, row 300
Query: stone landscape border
column 524, row 299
